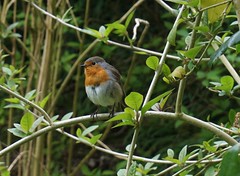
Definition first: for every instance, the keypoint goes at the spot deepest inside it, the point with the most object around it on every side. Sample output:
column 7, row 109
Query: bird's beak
column 83, row 65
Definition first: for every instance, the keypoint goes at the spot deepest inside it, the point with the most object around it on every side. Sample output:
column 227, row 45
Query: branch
column 10, row 92
column 167, row 7
column 149, row 114
column 227, row 64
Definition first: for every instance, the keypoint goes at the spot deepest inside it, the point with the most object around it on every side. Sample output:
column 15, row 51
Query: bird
column 102, row 83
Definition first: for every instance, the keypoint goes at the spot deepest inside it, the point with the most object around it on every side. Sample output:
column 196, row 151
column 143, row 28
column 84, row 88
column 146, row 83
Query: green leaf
column 94, row 139
column 17, row 106
column 129, row 111
column 152, row 62
column 121, row 172
column 171, row 38
column 27, row 121
column 79, row 132
column 170, row 153
column 44, row 101
column 18, row 126
column 231, row 162
column 132, row 170
column 191, row 53
column 231, row 116
column 182, row 154
column 17, row 133
column 216, row 12
column 172, row 160
column 149, row 104
column 54, row 118
column 92, row 32
column 179, row 2
column 125, row 123
column 36, row 124
column 12, row 26
column 134, row 100
column 149, row 165
column 7, row 71
column 166, row 70
column 227, row 83
column 234, row 39
column 67, row 116
column 30, row 94
column 89, row 130
column 66, row 13
column 208, row 147
column 12, row 100
column 129, row 18
column 178, row 72
column 123, row 116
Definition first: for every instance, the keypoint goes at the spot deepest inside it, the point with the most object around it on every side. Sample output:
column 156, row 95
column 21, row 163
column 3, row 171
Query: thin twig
column 38, row 108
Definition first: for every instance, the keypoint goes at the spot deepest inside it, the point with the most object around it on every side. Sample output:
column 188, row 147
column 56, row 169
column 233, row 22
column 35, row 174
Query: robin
column 102, row 83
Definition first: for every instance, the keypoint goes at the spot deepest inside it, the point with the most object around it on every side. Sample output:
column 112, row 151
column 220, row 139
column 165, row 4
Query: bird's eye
column 93, row 63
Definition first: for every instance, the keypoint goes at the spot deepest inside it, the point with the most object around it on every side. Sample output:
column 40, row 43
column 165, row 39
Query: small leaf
column 171, row 38
column 152, row 62
column 94, row 139
column 182, row 154
column 191, row 53
column 30, row 94
column 92, row 32
column 27, row 121
column 36, row 124
column 129, row 111
column 102, row 30
column 216, row 12
column 123, row 116
column 231, row 116
column 166, row 70
column 17, row 106
column 128, row 147
column 170, row 153
column 89, row 130
column 17, row 133
column 121, row 172
column 125, row 123
column 134, row 100
column 7, row 71
column 149, row 165
column 155, row 100
column 208, row 147
column 178, row 72
column 231, row 162
column 67, row 116
column 44, row 101
column 54, row 118
column 12, row 26
column 18, row 126
column 132, row 170
column 79, row 132
column 129, row 18
column 12, row 100
column 173, row 160
column 226, row 85
column 179, row 2
column 234, row 39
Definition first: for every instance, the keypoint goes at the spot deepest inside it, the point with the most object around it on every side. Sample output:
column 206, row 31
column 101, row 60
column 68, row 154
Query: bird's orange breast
column 95, row 75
